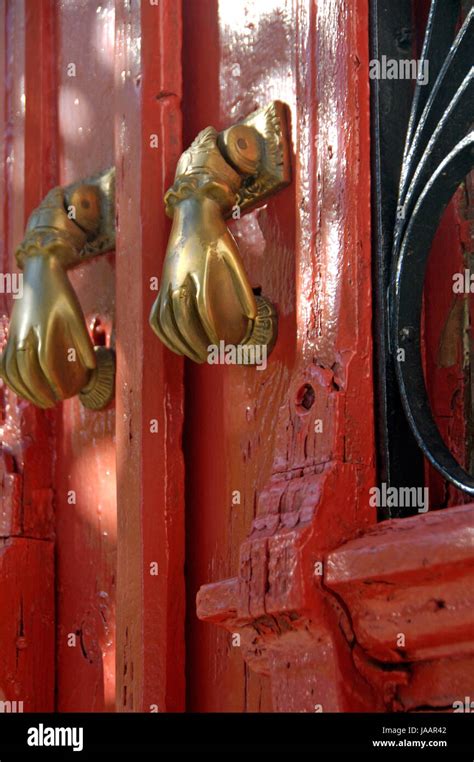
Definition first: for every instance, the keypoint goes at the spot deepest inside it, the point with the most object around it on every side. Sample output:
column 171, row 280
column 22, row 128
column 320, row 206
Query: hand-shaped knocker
column 49, row 355
column 205, row 295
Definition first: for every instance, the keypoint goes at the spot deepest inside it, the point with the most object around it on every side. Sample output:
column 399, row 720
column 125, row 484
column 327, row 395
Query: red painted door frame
column 59, row 631
column 303, row 583
column 27, row 567
column 150, row 471
column 313, row 449
column 339, row 613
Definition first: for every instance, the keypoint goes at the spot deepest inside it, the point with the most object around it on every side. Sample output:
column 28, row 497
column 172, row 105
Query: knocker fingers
column 82, row 342
column 12, row 377
column 163, row 322
column 226, row 302
column 188, row 320
column 156, row 326
column 203, row 304
column 61, row 361
column 241, row 283
column 31, row 373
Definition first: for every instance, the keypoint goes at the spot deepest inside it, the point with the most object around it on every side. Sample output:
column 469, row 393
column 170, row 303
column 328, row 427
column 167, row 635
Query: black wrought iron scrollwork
column 439, row 153
column 413, row 181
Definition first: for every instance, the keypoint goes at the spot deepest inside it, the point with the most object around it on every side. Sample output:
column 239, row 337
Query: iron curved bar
column 437, row 157
column 406, row 305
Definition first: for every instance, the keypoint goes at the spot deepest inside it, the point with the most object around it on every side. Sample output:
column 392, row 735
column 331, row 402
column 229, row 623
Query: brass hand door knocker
column 49, row 355
column 205, row 296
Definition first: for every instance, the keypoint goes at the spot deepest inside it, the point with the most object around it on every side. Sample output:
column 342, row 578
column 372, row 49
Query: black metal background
column 422, row 149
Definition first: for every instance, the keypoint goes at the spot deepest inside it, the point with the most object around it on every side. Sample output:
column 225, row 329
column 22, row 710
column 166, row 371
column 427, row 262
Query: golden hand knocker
column 205, row 296
column 49, row 355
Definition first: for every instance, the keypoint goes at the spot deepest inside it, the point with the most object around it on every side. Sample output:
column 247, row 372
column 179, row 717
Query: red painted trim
column 27, row 630
column 41, row 119
column 309, row 483
column 150, row 472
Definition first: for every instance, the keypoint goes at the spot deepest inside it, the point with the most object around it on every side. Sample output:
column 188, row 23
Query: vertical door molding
column 150, row 472
column 28, row 133
column 85, row 485
column 314, row 404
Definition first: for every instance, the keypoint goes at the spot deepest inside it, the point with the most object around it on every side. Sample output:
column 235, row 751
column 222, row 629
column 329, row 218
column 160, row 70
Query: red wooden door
column 60, row 645
column 278, row 460
column 76, row 100
column 330, row 611
column 202, row 544
column 80, row 95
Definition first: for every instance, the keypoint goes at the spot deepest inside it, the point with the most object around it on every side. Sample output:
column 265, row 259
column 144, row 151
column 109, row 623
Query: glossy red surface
column 27, row 570
column 309, row 250
column 150, row 474
column 268, row 471
column 85, row 452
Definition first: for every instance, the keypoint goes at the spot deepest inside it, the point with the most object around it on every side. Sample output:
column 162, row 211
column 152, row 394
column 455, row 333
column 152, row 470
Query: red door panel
column 150, row 471
column 257, row 463
column 85, row 455
column 27, row 568
column 206, row 543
